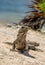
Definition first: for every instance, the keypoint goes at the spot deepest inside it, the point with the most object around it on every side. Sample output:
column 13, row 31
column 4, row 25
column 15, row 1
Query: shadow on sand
column 26, row 53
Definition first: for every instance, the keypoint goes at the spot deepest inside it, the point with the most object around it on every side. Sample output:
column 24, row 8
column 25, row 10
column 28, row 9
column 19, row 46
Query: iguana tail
column 34, row 43
column 9, row 43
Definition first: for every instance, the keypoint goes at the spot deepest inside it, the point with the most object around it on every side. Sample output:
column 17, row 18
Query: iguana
column 20, row 43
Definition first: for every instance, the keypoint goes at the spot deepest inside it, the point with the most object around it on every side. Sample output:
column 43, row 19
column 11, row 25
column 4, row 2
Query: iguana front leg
column 13, row 47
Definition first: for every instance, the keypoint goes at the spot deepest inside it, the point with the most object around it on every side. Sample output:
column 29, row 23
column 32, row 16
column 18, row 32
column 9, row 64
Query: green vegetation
column 42, row 1
column 42, row 7
column 37, row 19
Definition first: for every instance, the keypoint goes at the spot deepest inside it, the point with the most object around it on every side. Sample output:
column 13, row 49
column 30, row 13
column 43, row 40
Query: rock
column 34, row 22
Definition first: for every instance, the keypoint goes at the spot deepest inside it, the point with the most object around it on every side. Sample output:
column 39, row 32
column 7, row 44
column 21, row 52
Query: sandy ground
column 7, row 57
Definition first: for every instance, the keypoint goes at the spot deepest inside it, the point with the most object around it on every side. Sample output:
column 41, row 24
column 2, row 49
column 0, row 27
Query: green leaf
column 41, row 1
column 42, row 7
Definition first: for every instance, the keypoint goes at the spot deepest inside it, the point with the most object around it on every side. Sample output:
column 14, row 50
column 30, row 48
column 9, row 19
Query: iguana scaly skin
column 20, row 42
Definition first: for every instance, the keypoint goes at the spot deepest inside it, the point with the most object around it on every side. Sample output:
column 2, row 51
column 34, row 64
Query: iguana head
column 25, row 28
